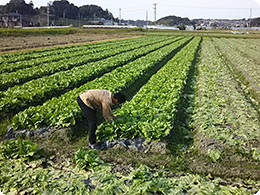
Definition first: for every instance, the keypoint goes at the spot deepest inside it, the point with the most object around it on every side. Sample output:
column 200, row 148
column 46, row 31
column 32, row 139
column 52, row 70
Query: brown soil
column 8, row 44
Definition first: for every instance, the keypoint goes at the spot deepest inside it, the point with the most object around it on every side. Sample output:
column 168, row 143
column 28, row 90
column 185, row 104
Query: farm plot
column 15, row 61
column 64, row 111
column 152, row 110
column 223, row 112
column 247, row 48
column 147, row 117
column 38, row 69
column 243, row 58
column 39, row 90
column 155, row 73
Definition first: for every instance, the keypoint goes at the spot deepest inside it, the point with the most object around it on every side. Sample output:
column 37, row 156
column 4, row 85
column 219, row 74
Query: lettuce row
column 151, row 112
column 68, row 61
column 39, row 90
column 15, row 61
column 64, row 111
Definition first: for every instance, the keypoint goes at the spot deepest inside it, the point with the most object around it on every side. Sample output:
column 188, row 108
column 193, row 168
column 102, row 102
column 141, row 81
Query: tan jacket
column 98, row 98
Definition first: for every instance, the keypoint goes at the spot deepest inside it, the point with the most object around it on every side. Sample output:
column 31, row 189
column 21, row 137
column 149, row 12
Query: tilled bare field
column 8, row 44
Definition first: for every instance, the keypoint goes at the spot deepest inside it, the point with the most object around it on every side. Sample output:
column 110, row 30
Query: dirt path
column 9, row 44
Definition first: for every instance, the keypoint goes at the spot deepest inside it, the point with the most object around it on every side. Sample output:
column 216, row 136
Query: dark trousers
column 91, row 116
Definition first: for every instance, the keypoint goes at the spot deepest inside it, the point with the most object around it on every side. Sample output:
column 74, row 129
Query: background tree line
column 58, row 10
column 255, row 22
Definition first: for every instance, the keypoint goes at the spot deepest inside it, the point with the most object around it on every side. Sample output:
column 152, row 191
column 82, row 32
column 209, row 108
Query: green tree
column 94, row 11
column 174, row 21
column 19, row 6
column 64, row 8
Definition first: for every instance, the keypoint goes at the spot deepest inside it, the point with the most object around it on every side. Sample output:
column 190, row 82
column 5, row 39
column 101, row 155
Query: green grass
column 64, row 31
column 41, row 31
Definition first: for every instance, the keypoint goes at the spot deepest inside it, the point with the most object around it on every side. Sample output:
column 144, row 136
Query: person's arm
column 107, row 112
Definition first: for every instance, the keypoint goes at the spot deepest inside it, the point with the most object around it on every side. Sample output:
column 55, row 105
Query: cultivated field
column 11, row 44
column 190, row 124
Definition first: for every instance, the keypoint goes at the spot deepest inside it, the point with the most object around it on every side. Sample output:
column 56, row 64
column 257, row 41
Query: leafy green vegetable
column 18, row 177
column 151, row 112
column 57, row 112
column 215, row 155
column 85, row 67
column 256, row 154
column 18, row 148
column 87, row 159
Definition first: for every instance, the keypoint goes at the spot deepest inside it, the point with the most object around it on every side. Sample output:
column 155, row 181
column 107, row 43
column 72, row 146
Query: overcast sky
column 139, row 9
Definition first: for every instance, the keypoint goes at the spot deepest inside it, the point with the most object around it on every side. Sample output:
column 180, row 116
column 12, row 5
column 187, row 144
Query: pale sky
column 137, row 9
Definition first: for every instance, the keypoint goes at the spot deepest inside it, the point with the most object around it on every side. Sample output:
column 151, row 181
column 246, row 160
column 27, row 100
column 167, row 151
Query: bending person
column 89, row 100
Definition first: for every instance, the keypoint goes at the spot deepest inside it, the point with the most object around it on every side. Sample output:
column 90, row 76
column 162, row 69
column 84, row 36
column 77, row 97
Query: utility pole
column 64, row 18
column 119, row 15
column 154, row 7
column 79, row 18
column 48, row 14
column 250, row 18
column 21, row 21
column 146, row 19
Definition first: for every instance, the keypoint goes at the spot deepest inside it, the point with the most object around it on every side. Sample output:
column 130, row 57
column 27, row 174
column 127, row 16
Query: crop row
column 251, row 43
column 223, row 113
column 243, row 66
column 49, row 52
column 14, row 58
column 12, row 63
column 152, row 110
column 82, row 57
column 39, row 90
column 245, row 49
column 64, row 111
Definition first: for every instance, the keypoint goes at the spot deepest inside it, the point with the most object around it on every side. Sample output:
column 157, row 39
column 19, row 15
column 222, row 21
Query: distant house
column 10, row 20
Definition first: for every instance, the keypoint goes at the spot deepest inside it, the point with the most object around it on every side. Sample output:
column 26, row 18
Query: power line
column 200, row 7
column 141, row 7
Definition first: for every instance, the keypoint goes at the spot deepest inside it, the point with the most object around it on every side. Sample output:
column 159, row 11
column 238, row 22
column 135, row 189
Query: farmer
column 89, row 100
